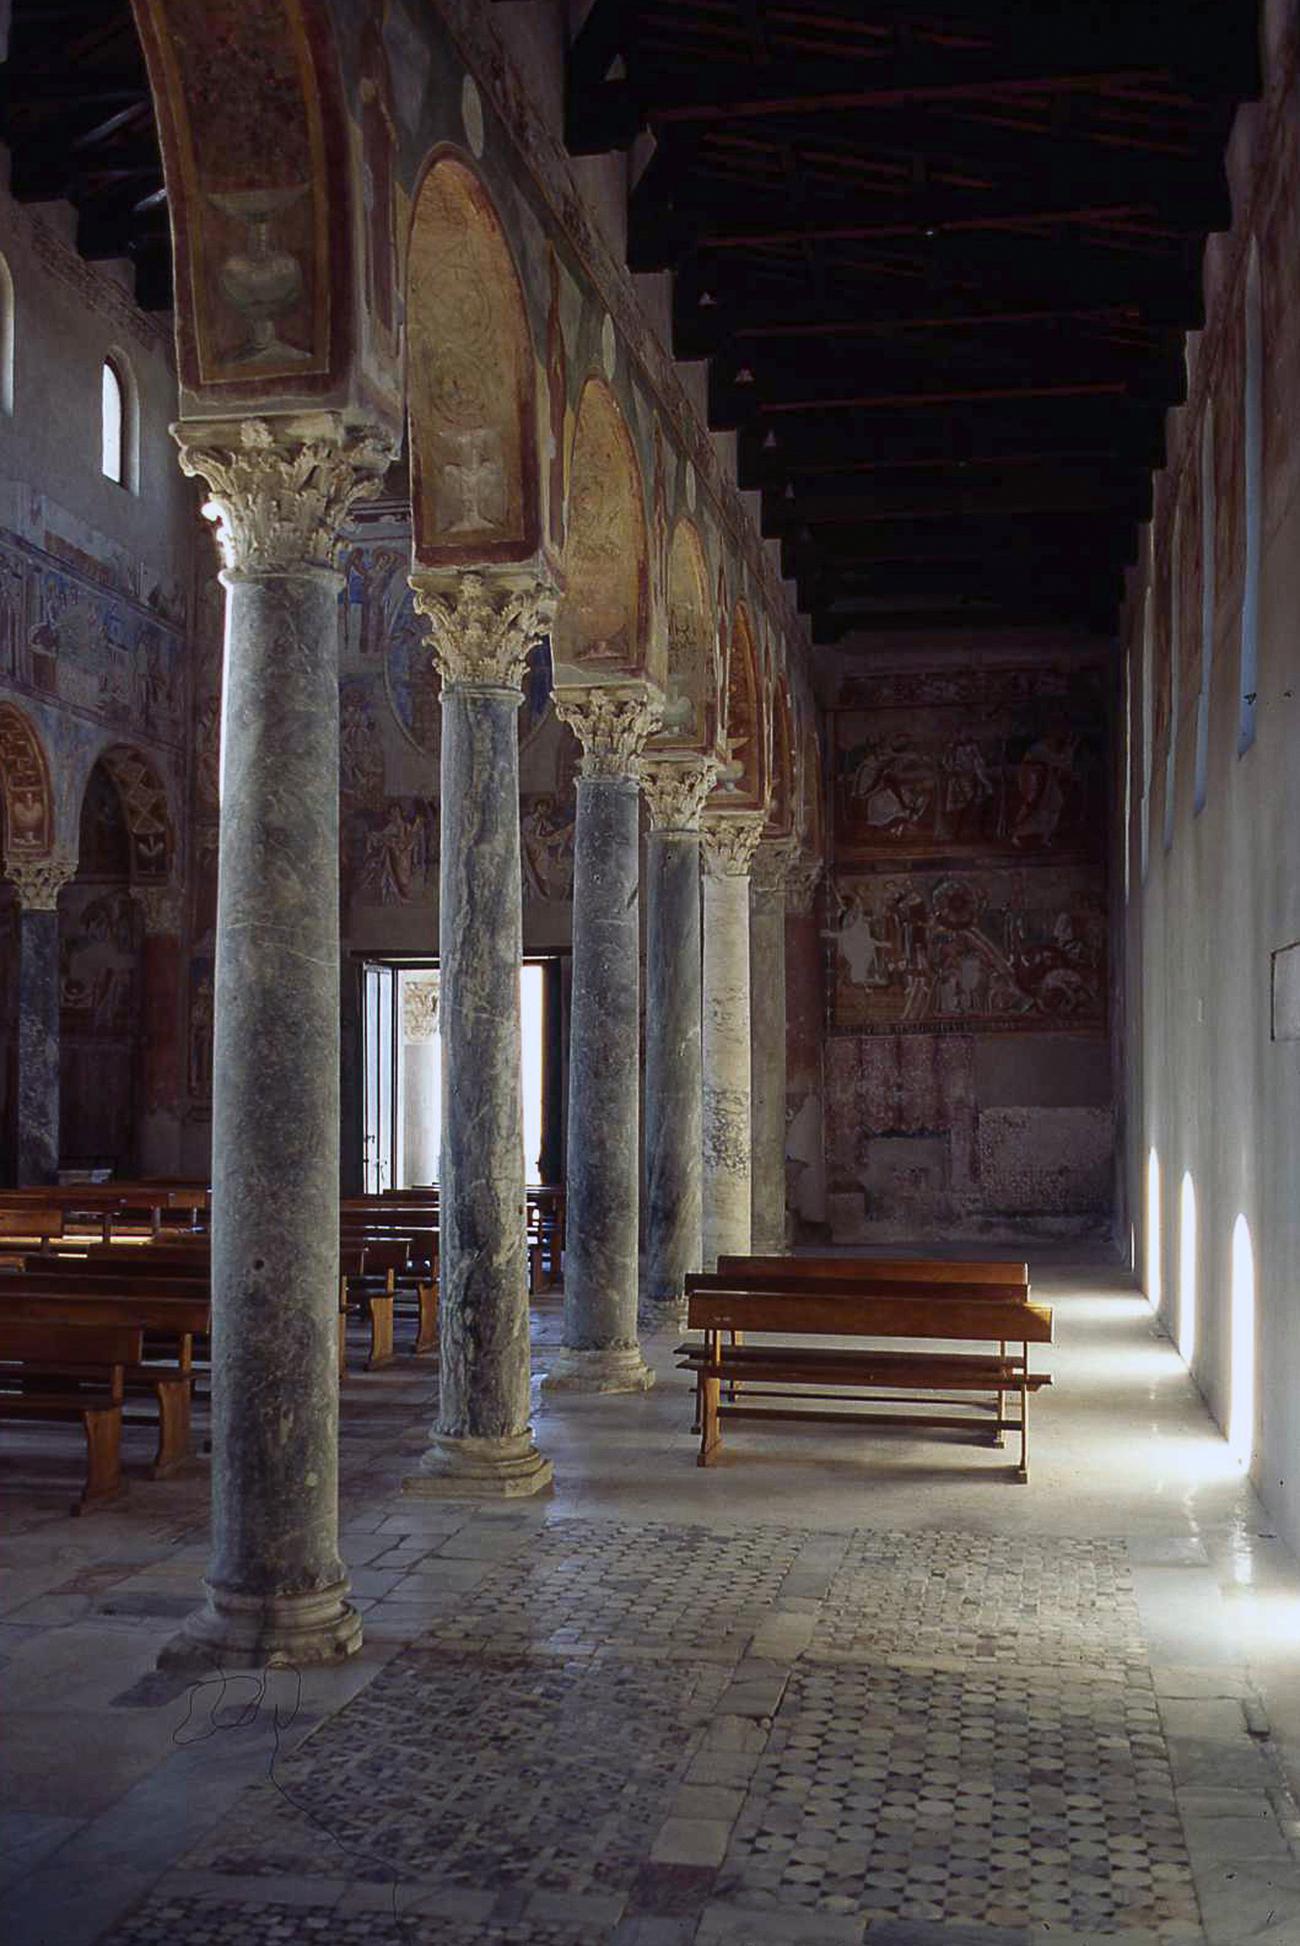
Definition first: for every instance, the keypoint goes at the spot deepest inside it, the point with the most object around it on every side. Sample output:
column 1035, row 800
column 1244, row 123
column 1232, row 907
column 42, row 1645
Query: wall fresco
column 969, row 952
column 992, row 769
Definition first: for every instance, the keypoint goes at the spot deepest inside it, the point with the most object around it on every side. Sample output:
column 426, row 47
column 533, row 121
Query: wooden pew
column 799, row 1372
column 925, row 1270
column 172, row 1310
column 81, row 1372
column 30, row 1223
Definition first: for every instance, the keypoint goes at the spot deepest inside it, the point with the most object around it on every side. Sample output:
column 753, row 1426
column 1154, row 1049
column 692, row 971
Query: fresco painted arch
column 781, row 810
column 811, row 821
column 25, row 788
column 602, row 625
column 694, row 673
column 147, row 812
column 746, row 733
column 471, row 378
column 254, row 152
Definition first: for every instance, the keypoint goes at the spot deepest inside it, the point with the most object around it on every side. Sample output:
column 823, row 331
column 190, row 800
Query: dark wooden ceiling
column 941, row 255
column 76, row 113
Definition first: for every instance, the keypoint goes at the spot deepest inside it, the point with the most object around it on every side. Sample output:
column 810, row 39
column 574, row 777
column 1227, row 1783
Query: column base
column 481, row 1469
column 662, row 1313
column 260, row 1631
column 608, row 1368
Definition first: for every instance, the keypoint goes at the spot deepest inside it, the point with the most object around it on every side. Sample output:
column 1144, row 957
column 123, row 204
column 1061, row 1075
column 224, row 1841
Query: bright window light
column 1241, row 1392
column 113, row 421
column 531, row 1006
column 1187, row 1270
column 1151, row 1283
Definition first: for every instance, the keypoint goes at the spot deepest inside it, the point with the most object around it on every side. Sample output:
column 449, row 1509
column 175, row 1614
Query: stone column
column 39, row 882
column 676, row 789
column 730, row 838
column 768, row 1043
column 805, row 1042
column 276, row 1585
column 420, row 1127
column 601, row 1352
column 160, row 1048
column 481, row 627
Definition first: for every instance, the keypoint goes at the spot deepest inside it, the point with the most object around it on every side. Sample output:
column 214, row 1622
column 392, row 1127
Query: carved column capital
column 773, row 861
column 677, row 789
column 730, row 841
column 419, row 1009
column 281, row 489
column 482, row 625
column 160, row 907
column 39, row 881
column 612, row 722
column 802, row 880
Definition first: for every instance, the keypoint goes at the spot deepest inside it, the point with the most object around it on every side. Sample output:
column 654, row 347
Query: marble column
column 806, row 1026
column 730, row 838
column 768, row 1043
column 160, row 1050
column 481, row 627
column 276, row 1586
column 600, row 1351
column 38, row 882
column 421, row 1130
column 676, row 789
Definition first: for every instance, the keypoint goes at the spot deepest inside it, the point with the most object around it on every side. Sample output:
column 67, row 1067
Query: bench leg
column 173, row 1396
column 381, row 1331
column 426, row 1333
column 1022, row 1471
column 710, row 1426
column 343, row 1341
column 103, row 1456
column 999, row 1438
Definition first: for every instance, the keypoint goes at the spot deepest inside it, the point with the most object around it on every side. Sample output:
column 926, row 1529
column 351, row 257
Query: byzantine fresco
column 470, row 378
column 994, row 770
column 975, row 951
column 603, row 615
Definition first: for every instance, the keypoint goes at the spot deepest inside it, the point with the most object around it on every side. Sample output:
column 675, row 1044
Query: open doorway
column 402, row 1055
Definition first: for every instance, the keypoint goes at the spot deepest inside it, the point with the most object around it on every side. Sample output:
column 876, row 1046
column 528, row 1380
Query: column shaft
column 484, row 1383
column 481, row 628
column 729, row 841
column 768, row 1056
column 600, row 1351
column 276, row 1584
column 38, row 1047
column 673, row 1122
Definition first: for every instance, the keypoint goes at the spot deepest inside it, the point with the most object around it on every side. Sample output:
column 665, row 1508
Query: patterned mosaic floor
column 645, row 1734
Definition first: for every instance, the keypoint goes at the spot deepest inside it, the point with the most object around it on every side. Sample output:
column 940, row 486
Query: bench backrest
column 70, row 1344
column 151, row 1311
column 926, row 1270
column 858, row 1284
column 814, row 1314
column 33, row 1220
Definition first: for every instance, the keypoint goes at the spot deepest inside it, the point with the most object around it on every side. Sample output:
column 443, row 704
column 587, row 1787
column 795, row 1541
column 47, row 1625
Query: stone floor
column 837, row 1688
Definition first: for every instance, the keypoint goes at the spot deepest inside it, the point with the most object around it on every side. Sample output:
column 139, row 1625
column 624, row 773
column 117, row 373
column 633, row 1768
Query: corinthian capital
column 612, row 722
column 772, row 864
column 676, row 790
column 804, row 876
column 482, row 626
column 730, row 841
column 280, row 490
column 40, row 880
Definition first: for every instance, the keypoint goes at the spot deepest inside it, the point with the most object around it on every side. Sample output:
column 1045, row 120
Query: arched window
column 1254, row 497
column 6, row 338
column 117, row 413
column 1201, row 782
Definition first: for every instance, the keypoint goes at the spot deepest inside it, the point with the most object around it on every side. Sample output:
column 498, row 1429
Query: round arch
column 145, row 808
column 744, row 725
column 25, row 788
column 694, row 665
column 471, row 377
column 603, row 616
column 781, row 811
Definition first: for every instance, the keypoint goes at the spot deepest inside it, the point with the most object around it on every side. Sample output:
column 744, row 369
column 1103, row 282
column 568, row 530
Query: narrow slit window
column 6, row 338
column 1254, row 508
column 1209, row 514
column 113, row 418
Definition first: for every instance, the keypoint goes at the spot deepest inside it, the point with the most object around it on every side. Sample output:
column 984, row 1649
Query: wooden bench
column 924, row 1270
column 72, row 1372
column 798, row 1373
column 174, row 1312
